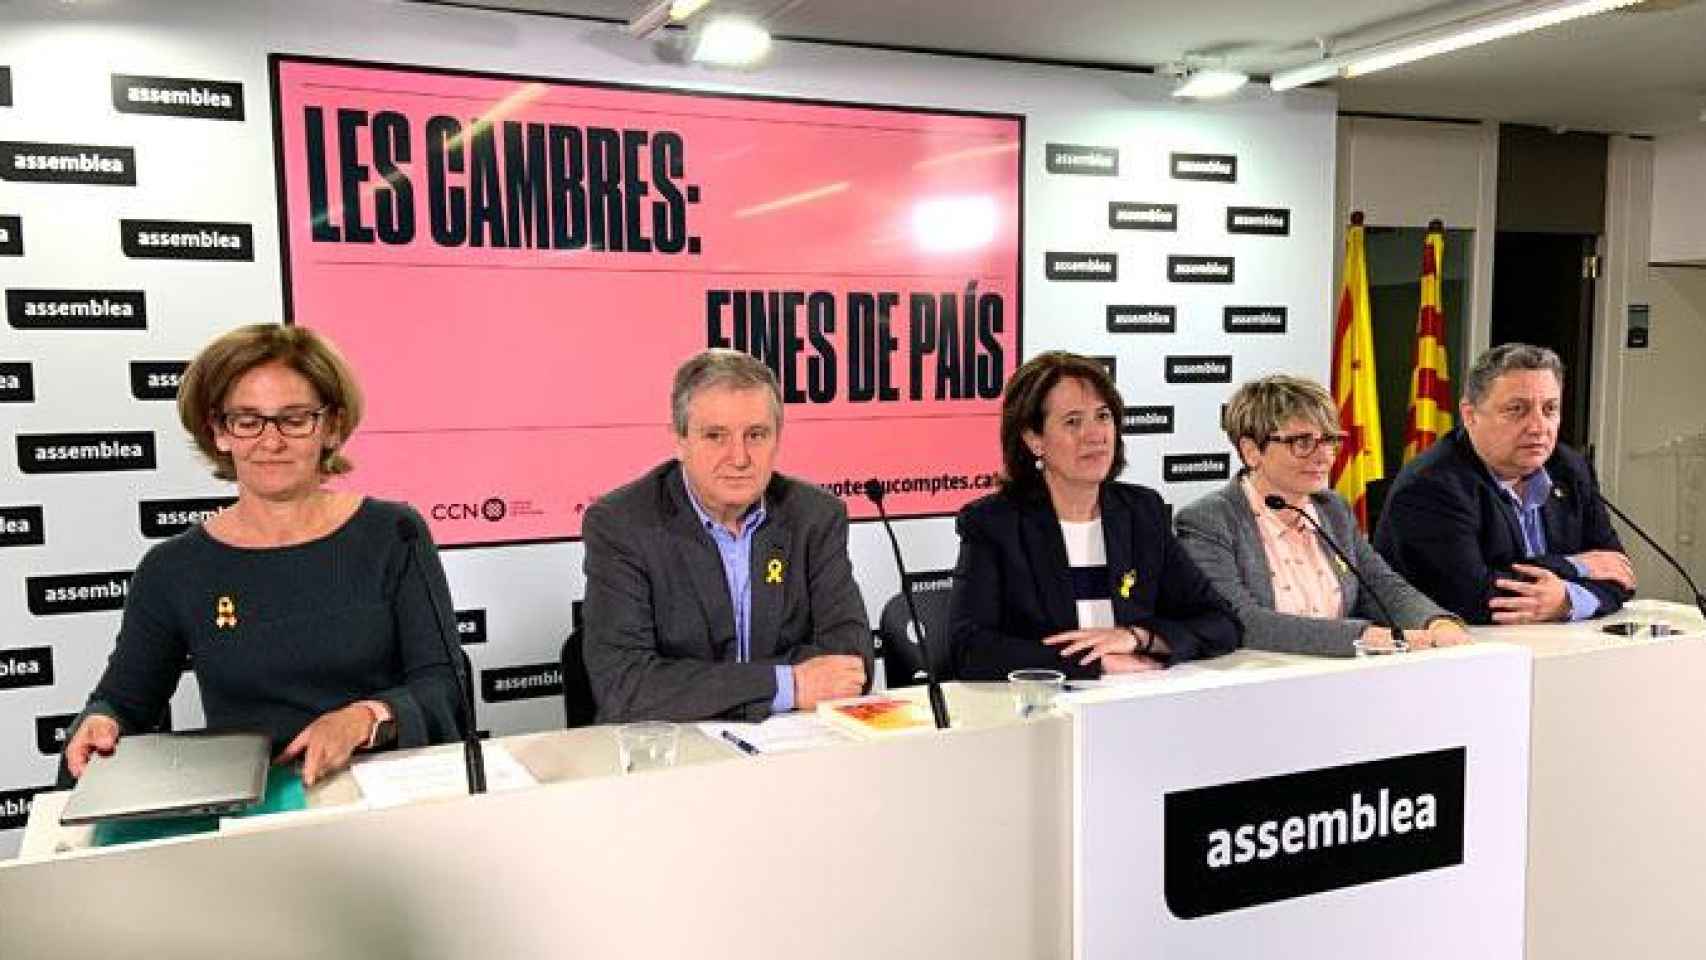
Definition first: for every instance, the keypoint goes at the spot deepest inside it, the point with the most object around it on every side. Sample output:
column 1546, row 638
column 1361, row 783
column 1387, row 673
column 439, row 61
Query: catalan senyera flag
column 1360, row 459
column 1430, row 378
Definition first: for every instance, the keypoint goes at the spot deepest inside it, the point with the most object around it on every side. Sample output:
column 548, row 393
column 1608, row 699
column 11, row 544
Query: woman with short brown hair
column 307, row 613
column 1290, row 591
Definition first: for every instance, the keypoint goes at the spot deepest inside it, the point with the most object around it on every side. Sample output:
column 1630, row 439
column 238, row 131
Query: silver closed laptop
column 171, row 775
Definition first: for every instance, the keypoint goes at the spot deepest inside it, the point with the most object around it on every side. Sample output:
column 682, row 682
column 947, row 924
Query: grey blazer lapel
column 704, row 567
column 772, row 568
column 1341, row 524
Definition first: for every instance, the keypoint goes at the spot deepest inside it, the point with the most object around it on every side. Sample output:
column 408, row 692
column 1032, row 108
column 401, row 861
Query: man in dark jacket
column 1497, row 522
column 716, row 587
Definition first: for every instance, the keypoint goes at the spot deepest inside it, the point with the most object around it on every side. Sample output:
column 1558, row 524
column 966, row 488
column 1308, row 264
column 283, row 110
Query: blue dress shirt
column 1583, row 603
column 736, row 551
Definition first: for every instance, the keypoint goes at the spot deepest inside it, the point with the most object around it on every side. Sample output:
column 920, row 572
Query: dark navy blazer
column 1450, row 530
column 1013, row 585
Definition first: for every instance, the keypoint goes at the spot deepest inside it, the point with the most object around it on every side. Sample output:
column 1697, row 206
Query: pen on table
column 744, row 747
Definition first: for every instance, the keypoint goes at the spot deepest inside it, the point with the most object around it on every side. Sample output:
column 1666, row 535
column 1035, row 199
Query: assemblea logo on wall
column 52, row 731
column 76, row 309
column 17, row 383
column 1143, row 216
column 85, row 452
column 15, row 806
column 77, row 592
column 1237, row 845
column 1074, row 159
column 186, row 240
column 1254, row 319
column 1135, row 318
column 11, row 236
column 1183, row 269
column 1269, row 221
column 471, row 626
column 1216, row 167
column 1199, row 369
column 21, row 527
column 67, row 163
column 26, row 667
column 1081, row 266
column 156, row 379
column 168, row 518
column 1147, row 420
column 1186, row 467
column 178, row 97
column 525, row 682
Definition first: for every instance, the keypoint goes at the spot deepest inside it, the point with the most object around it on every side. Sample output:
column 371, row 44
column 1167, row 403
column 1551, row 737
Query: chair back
column 579, row 709
column 903, row 659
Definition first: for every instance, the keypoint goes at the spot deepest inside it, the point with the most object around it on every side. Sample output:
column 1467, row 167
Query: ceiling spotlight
column 1203, row 84
column 731, row 41
column 661, row 13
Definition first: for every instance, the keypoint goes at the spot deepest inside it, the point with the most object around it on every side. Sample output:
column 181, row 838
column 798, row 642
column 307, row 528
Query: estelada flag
column 1430, row 378
column 1360, row 459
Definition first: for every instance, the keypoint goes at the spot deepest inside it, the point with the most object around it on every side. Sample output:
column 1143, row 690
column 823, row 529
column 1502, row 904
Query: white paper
column 801, row 730
column 393, row 781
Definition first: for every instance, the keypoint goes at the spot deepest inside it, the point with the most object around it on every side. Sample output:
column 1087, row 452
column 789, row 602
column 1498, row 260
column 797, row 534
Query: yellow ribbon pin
column 1127, row 579
column 225, row 613
column 773, row 571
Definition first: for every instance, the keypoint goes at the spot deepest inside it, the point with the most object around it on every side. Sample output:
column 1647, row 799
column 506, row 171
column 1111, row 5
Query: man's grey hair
column 1502, row 359
column 720, row 367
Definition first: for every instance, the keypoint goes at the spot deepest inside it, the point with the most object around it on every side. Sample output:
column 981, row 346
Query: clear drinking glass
column 1376, row 650
column 650, row 745
column 1034, row 691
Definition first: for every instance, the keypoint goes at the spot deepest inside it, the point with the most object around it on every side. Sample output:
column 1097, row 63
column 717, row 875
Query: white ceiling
column 1629, row 72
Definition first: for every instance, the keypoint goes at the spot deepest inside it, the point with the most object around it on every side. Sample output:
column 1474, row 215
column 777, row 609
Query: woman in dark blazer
column 1066, row 568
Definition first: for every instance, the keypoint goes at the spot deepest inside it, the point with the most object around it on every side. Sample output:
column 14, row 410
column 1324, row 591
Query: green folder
column 284, row 793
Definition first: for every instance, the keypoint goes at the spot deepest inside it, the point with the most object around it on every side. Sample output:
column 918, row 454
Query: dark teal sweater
column 279, row 636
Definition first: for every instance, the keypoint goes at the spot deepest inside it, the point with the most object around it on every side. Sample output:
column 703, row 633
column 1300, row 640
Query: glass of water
column 650, row 745
column 1034, row 691
column 1365, row 649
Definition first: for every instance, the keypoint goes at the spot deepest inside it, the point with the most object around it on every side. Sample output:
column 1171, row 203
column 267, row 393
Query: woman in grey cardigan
column 1289, row 591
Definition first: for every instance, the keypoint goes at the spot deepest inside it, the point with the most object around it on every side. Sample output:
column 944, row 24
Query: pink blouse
column 1305, row 579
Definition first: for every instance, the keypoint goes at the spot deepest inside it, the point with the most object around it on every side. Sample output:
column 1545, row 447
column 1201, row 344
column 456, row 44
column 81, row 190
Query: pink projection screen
column 515, row 267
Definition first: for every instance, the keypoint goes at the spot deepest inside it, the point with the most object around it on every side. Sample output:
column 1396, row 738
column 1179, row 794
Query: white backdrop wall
column 59, row 59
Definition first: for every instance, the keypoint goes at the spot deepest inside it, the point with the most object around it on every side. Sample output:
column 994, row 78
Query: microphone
column 938, row 703
column 1276, row 502
column 472, row 755
column 1699, row 601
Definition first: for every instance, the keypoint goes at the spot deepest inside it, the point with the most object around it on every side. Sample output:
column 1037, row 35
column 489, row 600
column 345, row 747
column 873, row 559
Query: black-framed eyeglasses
column 1305, row 444
column 247, row 425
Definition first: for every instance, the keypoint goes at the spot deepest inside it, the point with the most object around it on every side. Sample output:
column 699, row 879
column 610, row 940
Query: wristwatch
column 384, row 728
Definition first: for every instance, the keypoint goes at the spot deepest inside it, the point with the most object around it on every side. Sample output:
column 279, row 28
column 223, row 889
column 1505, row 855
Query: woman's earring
column 1038, row 463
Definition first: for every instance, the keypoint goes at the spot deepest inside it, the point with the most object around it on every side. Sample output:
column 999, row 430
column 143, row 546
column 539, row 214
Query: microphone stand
column 1699, row 600
column 938, row 702
column 472, row 756
column 1276, row 502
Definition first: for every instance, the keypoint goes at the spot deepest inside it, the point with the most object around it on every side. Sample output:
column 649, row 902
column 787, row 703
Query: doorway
column 1543, row 290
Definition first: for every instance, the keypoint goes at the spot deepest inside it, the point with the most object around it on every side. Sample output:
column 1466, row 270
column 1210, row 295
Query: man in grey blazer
column 1286, row 431
column 717, row 588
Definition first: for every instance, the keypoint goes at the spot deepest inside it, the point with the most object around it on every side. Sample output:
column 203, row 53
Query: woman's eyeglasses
column 1305, row 444
column 246, row 425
